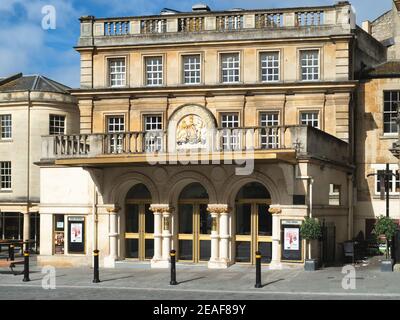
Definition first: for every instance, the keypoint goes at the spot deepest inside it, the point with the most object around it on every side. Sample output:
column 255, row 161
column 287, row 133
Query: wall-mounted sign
column 291, row 241
column 76, row 234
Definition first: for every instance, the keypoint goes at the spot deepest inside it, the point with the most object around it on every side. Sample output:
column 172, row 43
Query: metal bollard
column 11, row 252
column 173, row 268
column 96, row 266
column 26, row 266
column 258, row 270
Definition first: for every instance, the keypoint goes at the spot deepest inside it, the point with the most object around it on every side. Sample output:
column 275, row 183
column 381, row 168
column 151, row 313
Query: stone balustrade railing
column 303, row 139
column 339, row 14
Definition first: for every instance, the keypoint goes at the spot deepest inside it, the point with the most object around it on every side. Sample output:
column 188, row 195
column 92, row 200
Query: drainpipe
column 26, row 221
column 94, row 217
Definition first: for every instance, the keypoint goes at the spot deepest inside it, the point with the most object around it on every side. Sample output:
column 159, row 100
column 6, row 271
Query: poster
column 59, row 242
column 76, row 232
column 291, row 236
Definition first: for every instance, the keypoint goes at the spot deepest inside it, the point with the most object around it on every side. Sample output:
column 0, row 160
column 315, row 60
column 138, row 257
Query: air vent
column 201, row 7
column 167, row 11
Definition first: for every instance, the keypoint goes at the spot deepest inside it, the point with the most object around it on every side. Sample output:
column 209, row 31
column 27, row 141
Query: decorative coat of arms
column 191, row 132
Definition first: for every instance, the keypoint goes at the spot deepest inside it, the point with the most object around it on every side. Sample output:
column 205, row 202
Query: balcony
column 214, row 25
column 281, row 143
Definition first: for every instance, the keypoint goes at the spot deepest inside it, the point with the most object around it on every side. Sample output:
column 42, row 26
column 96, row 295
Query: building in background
column 376, row 128
column 30, row 107
column 274, row 88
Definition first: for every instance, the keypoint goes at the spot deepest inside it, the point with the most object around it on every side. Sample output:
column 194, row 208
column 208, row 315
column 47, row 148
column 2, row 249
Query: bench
column 11, row 264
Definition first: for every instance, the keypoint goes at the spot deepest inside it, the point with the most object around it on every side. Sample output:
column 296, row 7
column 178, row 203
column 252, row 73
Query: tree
column 310, row 230
column 385, row 226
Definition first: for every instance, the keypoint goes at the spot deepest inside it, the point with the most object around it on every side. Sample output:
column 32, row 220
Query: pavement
column 137, row 281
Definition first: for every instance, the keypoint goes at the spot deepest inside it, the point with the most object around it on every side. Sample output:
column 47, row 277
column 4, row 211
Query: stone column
column 109, row 261
column 276, row 237
column 214, row 259
column 224, row 236
column 27, row 226
column 162, row 235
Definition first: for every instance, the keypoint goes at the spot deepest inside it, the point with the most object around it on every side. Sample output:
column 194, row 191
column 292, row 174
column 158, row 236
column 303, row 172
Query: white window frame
column 315, row 76
column 233, row 143
column 5, row 175
column 392, row 114
column 310, row 119
column 116, row 142
column 193, row 71
column 272, row 67
column 6, row 126
column 335, row 196
column 120, row 81
column 154, row 132
column 382, row 167
column 155, row 76
column 269, row 137
column 57, row 124
column 231, row 67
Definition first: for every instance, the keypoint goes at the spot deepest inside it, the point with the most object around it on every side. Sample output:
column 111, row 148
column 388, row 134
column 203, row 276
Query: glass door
column 253, row 231
column 194, row 239
column 139, row 231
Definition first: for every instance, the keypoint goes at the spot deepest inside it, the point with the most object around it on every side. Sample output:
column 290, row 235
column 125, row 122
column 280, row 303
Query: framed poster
column 59, row 242
column 76, row 235
column 291, row 246
column 291, row 239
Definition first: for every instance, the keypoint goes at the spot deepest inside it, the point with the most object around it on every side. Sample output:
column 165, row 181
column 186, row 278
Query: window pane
column 243, row 219
column 309, row 119
column 269, row 63
column 132, row 218
column 230, row 68
column 309, row 62
column 57, row 124
column 390, row 106
column 117, row 72
column 191, row 69
column 5, row 175
column 6, row 126
column 154, row 71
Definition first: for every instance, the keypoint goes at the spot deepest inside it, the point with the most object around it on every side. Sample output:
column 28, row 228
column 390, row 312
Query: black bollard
column 26, row 266
column 173, row 268
column 258, row 270
column 96, row 266
column 11, row 252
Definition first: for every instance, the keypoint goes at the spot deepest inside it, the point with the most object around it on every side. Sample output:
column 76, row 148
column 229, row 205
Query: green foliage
column 310, row 229
column 385, row 226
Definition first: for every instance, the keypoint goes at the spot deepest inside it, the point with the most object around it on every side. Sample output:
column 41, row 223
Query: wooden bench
column 11, row 264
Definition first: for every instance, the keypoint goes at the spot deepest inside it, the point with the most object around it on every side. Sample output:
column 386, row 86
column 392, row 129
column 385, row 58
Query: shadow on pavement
column 272, row 282
column 198, row 278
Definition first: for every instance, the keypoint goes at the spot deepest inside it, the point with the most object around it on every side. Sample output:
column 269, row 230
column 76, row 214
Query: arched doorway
column 253, row 223
column 194, row 224
column 139, row 224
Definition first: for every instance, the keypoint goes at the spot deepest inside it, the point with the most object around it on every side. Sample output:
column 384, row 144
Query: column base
column 109, row 262
column 219, row 264
column 159, row 264
column 275, row 265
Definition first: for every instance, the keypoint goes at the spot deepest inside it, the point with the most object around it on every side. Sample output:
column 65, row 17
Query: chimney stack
column 367, row 26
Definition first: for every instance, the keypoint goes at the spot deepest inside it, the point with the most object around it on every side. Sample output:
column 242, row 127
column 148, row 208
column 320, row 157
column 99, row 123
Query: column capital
column 113, row 209
column 161, row 208
column 218, row 208
column 275, row 210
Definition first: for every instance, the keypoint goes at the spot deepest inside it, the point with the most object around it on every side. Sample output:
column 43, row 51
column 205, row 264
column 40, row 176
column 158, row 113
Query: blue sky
column 26, row 47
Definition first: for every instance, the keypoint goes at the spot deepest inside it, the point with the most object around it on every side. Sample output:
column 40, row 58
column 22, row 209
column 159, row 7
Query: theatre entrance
column 253, row 224
column 139, row 224
column 194, row 224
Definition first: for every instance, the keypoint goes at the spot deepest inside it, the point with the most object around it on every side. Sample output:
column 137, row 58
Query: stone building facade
column 30, row 106
column 212, row 133
column 376, row 129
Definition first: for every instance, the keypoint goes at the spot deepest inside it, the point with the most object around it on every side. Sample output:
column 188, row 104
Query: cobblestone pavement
column 138, row 281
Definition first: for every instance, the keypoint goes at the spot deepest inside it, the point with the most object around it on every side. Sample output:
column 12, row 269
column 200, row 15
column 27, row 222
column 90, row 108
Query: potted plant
column 310, row 230
column 385, row 228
